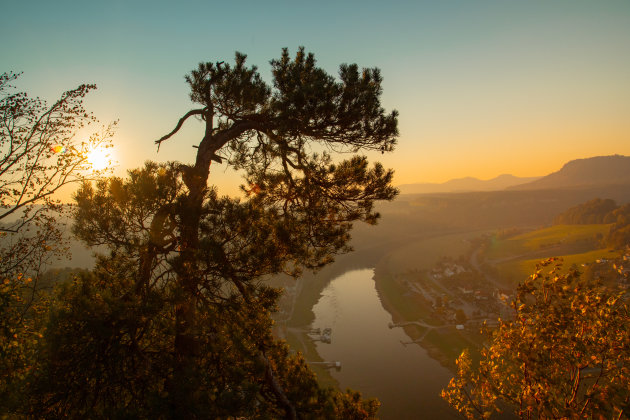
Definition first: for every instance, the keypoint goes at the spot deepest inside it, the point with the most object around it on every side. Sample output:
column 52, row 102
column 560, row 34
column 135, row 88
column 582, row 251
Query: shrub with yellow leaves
column 565, row 353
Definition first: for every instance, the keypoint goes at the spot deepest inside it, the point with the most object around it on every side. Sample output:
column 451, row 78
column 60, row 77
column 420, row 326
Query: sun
column 99, row 158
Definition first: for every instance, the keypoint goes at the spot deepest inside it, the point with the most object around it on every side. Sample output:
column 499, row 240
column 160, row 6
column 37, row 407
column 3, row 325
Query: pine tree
column 181, row 303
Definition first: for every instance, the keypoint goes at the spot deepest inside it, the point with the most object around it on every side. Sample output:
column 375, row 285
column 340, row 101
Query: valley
column 445, row 266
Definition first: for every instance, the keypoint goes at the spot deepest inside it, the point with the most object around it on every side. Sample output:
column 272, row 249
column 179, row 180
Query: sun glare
column 99, row 159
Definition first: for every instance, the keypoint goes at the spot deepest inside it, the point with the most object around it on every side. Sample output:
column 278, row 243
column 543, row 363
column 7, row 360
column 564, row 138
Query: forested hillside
column 598, row 211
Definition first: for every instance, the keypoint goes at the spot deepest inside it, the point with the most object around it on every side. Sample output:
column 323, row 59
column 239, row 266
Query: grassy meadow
column 515, row 258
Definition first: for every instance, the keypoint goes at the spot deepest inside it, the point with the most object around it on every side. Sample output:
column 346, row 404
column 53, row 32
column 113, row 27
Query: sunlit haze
column 99, row 158
column 171, row 285
column 483, row 88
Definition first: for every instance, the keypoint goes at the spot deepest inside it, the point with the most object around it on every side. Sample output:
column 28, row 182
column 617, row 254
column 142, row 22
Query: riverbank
column 301, row 342
column 373, row 357
column 442, row 344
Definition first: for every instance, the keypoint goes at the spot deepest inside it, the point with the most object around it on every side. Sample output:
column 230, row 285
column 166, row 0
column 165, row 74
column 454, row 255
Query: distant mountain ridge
column 579, row 173
column 589, row 172
column 468, row 184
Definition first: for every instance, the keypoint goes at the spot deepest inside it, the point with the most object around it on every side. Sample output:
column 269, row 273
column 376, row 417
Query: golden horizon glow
column 482, row 89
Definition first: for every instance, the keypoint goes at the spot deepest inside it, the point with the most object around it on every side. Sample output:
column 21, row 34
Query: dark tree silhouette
column 189, row 265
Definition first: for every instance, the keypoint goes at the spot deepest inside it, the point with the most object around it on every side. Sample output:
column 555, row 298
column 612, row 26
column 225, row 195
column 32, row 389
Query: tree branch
column 179, row 125
column 276, row 388
column 209, row 145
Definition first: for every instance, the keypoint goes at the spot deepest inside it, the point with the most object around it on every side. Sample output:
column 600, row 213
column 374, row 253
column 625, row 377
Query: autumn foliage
column 565, row 353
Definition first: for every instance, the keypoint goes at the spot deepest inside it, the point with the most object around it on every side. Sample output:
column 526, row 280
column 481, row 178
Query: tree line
column 601, row 211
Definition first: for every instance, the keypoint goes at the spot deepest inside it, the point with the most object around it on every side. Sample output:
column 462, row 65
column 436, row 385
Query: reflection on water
column 404, row 378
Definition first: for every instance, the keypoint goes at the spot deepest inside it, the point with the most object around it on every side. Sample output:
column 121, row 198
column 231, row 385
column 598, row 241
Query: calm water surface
column 404, row 378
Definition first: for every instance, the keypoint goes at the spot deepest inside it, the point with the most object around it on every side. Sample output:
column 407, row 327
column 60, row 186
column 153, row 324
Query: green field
column 516, row 258
column 564, row 238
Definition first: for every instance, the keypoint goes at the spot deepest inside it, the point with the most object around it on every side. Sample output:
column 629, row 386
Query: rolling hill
column 468, row 184
column 588, row 172
column 600, row 170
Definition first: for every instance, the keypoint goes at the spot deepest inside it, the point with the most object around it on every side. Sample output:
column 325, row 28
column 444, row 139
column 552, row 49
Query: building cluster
column 457, row 294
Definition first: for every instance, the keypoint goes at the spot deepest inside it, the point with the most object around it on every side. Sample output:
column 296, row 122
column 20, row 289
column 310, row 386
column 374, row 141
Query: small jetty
column 327, row 365
column 419, row 323
column 325, row 335
column 418, row 341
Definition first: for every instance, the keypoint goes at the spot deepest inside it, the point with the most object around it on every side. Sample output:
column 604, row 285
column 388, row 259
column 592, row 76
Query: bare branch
column 179, row 125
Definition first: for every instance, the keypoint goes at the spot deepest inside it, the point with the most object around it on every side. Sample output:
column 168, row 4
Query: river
column 374, row 361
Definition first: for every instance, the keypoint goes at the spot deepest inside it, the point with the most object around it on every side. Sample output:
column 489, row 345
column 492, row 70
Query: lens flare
column 58, row 149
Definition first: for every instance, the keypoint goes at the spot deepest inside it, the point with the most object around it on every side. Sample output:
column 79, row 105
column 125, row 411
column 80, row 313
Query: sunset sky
column 483, row 87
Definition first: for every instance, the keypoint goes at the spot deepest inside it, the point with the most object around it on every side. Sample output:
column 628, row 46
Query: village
column 456, row 293
column 459, row 294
